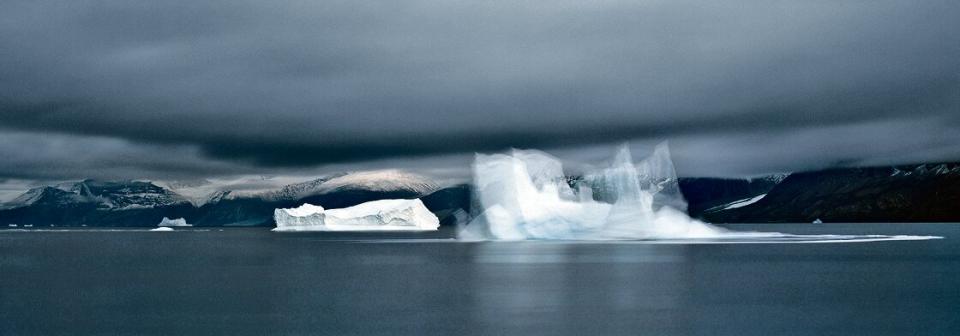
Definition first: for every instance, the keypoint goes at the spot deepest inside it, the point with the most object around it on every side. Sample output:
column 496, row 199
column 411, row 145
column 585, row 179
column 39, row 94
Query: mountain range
column 914, row 193
column 141, row 203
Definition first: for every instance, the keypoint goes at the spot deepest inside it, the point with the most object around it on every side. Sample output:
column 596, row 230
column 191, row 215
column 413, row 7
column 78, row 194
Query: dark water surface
column 255, row 282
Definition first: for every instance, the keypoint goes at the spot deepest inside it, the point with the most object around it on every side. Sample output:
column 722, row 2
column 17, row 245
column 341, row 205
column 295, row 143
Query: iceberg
column 525, row 195
column 380, row 215
column 173, row 222
column 302, row 218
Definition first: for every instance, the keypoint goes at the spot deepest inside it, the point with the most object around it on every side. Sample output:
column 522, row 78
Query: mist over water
column 525, row 195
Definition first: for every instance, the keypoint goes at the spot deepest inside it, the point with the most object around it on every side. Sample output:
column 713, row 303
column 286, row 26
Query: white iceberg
column 173, row 222
column 381, row 215
column 303, row 218
column 525, row 195
column 162, row 229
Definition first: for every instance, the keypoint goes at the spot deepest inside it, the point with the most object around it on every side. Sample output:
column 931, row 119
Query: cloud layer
column 226, row 87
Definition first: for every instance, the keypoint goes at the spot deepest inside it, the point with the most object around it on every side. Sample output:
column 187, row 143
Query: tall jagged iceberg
column 525, row 195
column 381, row 215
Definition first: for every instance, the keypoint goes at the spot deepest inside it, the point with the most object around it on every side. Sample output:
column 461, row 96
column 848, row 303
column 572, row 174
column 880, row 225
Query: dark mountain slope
column 706, row 193
column 920, row 193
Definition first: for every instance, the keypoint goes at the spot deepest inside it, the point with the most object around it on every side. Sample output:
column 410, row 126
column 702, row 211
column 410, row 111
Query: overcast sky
column 198, row 89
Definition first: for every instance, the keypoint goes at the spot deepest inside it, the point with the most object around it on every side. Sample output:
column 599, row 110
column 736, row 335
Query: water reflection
column 567, row 288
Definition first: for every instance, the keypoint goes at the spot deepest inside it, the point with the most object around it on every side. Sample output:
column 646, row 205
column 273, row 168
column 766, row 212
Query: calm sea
column 256, row 282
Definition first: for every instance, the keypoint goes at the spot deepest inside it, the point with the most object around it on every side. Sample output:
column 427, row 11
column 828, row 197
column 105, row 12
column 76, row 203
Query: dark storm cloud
column 298, row 83
column 57, row 157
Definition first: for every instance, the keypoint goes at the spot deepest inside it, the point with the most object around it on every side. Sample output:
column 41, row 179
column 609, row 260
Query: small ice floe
column 11, row 225
column 173, row 222
column 817, row 221
column 162, row 229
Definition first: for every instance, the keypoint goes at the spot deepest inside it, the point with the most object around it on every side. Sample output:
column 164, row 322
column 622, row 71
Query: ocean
column 250, row 281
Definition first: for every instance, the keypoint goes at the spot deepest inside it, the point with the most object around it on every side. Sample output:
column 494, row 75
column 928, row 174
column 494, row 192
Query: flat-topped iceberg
column 381, row 215
column 173, row 222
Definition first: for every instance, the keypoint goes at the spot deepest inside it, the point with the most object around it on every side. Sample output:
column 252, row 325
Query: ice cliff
column 524, row 195
column 381, row 215
column 173, row 222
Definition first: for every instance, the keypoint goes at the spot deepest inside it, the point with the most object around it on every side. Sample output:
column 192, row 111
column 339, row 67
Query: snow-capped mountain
column 297, row 190
column 215, row 197
column 379, row 181
column 905, row 193
column 116, row 196
column 49, row 196
column 94, row 203
column 142, row 203
column 127, row 195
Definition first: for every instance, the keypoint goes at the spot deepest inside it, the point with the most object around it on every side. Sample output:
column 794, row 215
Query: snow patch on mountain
column 298, row 190
column 776, row 178
column 738, row 203
column 928, row 169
